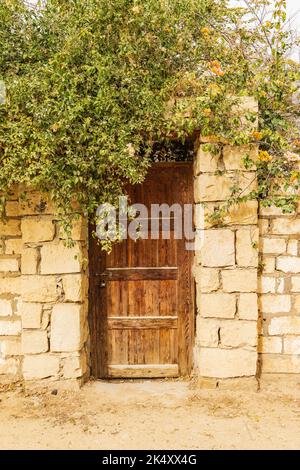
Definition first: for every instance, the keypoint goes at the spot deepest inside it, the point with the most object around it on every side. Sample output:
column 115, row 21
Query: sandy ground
column 148, row 415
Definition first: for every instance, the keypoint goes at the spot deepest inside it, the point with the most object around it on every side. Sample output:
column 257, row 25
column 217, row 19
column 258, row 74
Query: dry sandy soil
column 148, row 415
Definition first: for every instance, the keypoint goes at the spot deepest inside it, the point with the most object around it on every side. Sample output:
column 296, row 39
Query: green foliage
column 92, row 86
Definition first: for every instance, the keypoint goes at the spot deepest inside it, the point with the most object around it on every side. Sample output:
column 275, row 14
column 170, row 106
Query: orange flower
column 216, row 68
column 294, row 176
column 264, row 156
column 207, row 112
column 257, row 135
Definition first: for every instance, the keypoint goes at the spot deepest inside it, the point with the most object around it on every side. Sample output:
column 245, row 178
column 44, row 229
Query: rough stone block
column 223, row 363
column 9, row 265
column 75, row 287
column 40, row 366
column 233, row 156
column 292, row 247
column 29, row 261
column 5, row 308
column 34, row 342
column 10, row 328
column 266, row 284
column 218, row 248
column 67, row 327
column 268, row 265
column 295, row 284
column 207, row 279
column 10, row 347
column 238, row 333
column 57, row 258
column 212, row 188
column 13, row 246
column 74, row 366
column 79, row 230
column 12, row 209
column 270, row 345
column 246, row 247
column 284, row 326
column 275, row 303
column 217, row 305
column 244, row 213
column 292, row 345
column 40, row 289
column 288, row 264
column 37, row 229
column 248, row 307
column 10, row 285
column 11, row 228
column 239, row 280
column 206, row 161
column 207, row 331
column 31, row 315
column 285, row 226
column 281, row 364
column 275, row 246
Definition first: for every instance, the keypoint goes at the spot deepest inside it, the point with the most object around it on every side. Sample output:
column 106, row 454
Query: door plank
column 128, row 323
column 141, row 370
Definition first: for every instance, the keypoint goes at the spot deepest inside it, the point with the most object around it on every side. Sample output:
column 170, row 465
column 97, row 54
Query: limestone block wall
column 10, row 291
column 279, row 287
column 43, row 323
column 226, row 263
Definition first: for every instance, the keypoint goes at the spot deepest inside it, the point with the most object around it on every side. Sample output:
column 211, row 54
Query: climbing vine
column 92, row 87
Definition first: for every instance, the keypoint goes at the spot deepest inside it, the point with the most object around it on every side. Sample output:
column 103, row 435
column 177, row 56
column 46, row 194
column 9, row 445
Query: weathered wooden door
column 142, row 295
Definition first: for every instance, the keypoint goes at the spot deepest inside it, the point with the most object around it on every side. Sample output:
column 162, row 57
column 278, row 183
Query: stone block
column 284, row 326
column 9, row 265
column 244, row 213
column 288, row 264
column 217, row 305
column 281, row 364
column 270, row 345
column 248, row 307
column 207, row 279
column 29, row 261
column 246, row 247
column 40, row 289
column 5, row 308
column 12, row 209
column 275, row 303
column 275, row 246
column 13, row 246
column 10, row 285
column 67, row 327
column 207, row 333
column 285, row 226
column 34, row 342
column 266, row 284
column 75, row 287
column 223, row 363
column 10, row 347
column 57, row 258
column 218, row 248
column 292, row 345
column 40, row 366
column 268, row 265
column 239, row 333
column 233, row 156
column 37, row 229
column 10, row 327
column 74, row 366
column 212, row 188
column 31, row 315
column 239, row 280
column 292, row 247
column 11, row 228
column 206, row 161
column 295, row 284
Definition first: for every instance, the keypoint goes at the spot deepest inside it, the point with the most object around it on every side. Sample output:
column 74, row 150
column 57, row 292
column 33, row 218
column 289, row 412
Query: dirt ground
column 147, row 415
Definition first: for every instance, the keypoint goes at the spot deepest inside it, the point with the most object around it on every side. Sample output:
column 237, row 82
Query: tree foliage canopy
column 92, row 85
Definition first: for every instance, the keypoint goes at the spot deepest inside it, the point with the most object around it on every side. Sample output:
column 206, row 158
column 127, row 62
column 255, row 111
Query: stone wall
column 226, row 263
column 279, row 287
column 43, row 308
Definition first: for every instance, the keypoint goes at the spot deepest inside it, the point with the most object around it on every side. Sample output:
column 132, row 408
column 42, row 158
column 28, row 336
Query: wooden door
column 142, row 295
